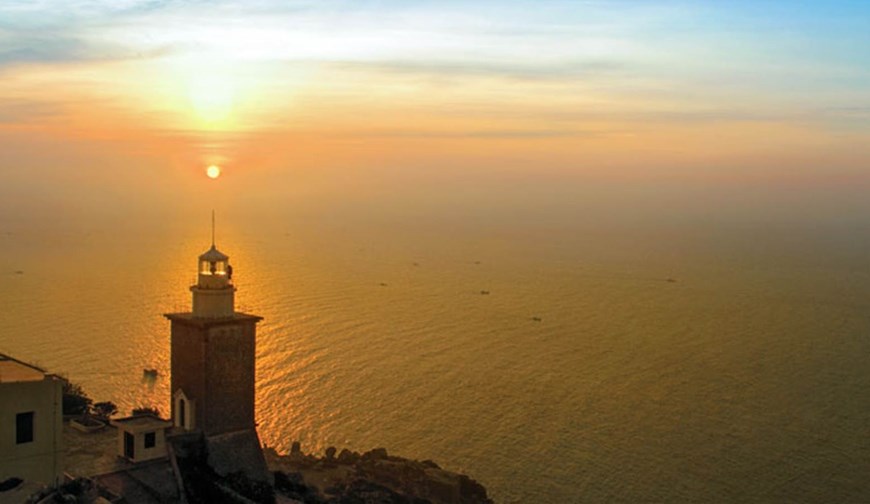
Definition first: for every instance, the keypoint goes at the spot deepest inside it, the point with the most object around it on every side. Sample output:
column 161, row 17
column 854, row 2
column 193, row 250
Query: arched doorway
column 182, row 413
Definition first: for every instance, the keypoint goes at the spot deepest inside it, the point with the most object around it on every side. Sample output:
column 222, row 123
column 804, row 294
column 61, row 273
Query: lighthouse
column 213, row 350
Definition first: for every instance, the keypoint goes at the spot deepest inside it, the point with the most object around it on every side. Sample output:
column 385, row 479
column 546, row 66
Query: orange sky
column 323, row 103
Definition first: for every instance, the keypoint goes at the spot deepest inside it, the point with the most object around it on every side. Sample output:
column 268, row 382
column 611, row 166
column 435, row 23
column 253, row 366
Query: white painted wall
column 189, row 414
column 140, row 453
column 42, row 459
column 213, row 303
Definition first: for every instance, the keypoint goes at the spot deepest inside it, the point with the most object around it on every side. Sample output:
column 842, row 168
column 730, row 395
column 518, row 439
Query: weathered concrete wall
column 188, row 365
column 214, row 364
column 40, row 460
column 230, row 366
column 140, row 452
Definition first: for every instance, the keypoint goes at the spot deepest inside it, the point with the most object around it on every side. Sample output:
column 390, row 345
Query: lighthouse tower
column 213, row 352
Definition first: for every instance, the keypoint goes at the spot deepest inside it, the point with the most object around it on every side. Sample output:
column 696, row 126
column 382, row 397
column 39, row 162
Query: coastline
column 374, row 476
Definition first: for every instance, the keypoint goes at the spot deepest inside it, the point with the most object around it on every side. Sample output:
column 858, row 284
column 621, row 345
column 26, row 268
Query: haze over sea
column 584, row 251
column 742, row 380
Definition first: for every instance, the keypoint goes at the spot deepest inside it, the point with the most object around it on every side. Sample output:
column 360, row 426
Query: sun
column 213, row 171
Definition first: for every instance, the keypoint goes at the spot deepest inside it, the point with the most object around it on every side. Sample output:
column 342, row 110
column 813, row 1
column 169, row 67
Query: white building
column 31, row 423
column 141, row 438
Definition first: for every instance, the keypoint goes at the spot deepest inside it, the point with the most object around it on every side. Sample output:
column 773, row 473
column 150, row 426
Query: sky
column 108, row 105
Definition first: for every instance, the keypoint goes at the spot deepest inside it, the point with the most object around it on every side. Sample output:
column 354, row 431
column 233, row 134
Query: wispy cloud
column 649, row 61
column 508, row 70
column 495, row 134
column 37, row 50
column 27, row 111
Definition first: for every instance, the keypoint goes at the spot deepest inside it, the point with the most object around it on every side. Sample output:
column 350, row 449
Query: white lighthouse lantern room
column 214, row 292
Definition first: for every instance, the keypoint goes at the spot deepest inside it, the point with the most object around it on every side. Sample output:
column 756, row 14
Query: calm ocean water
column 744, row 379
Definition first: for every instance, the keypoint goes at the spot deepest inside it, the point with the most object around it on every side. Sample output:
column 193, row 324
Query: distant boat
column 149, row 373
column 484, row 292
column 671, row 280
column 537, row 319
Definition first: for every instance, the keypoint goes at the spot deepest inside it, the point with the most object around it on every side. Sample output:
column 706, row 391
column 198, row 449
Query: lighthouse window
column 24, row 428
column 150, row 439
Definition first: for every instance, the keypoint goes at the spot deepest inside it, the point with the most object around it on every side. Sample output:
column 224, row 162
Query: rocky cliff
column 371, row 477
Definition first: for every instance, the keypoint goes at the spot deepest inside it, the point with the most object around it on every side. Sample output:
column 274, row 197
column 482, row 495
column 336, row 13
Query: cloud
column 42, row 32
column 326, row 30
column 27, row 47
column 508, row 70
column 643, row 62
column 478, row 134
column 853, row 111
column 26, row 111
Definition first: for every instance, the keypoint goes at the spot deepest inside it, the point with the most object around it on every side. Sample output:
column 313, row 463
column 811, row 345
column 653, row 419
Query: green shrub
column 146, row 410
column 104, row 409
column 75, row 399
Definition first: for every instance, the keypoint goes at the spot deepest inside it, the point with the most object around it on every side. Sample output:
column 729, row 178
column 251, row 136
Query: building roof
column 140, row 423
column 146, row 483
column 213, row 255
column 14, row 370
column 189, row 319
column 237, row 451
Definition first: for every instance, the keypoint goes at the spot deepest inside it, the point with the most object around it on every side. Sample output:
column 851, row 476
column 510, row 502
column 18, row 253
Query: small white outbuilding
column 142, row 437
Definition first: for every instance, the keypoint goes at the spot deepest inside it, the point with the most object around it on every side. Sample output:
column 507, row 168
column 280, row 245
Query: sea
column 591, row 361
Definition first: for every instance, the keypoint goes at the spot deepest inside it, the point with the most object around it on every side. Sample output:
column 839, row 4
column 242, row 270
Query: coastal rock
column 292, row 486
column 365, row 492
column 348, row 457
column 375, row 454
column 373, row 477
column 442, row 488
column 470, row 489
column 431, row 464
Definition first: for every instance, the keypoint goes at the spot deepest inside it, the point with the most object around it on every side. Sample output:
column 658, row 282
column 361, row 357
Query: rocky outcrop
column 371, row 477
